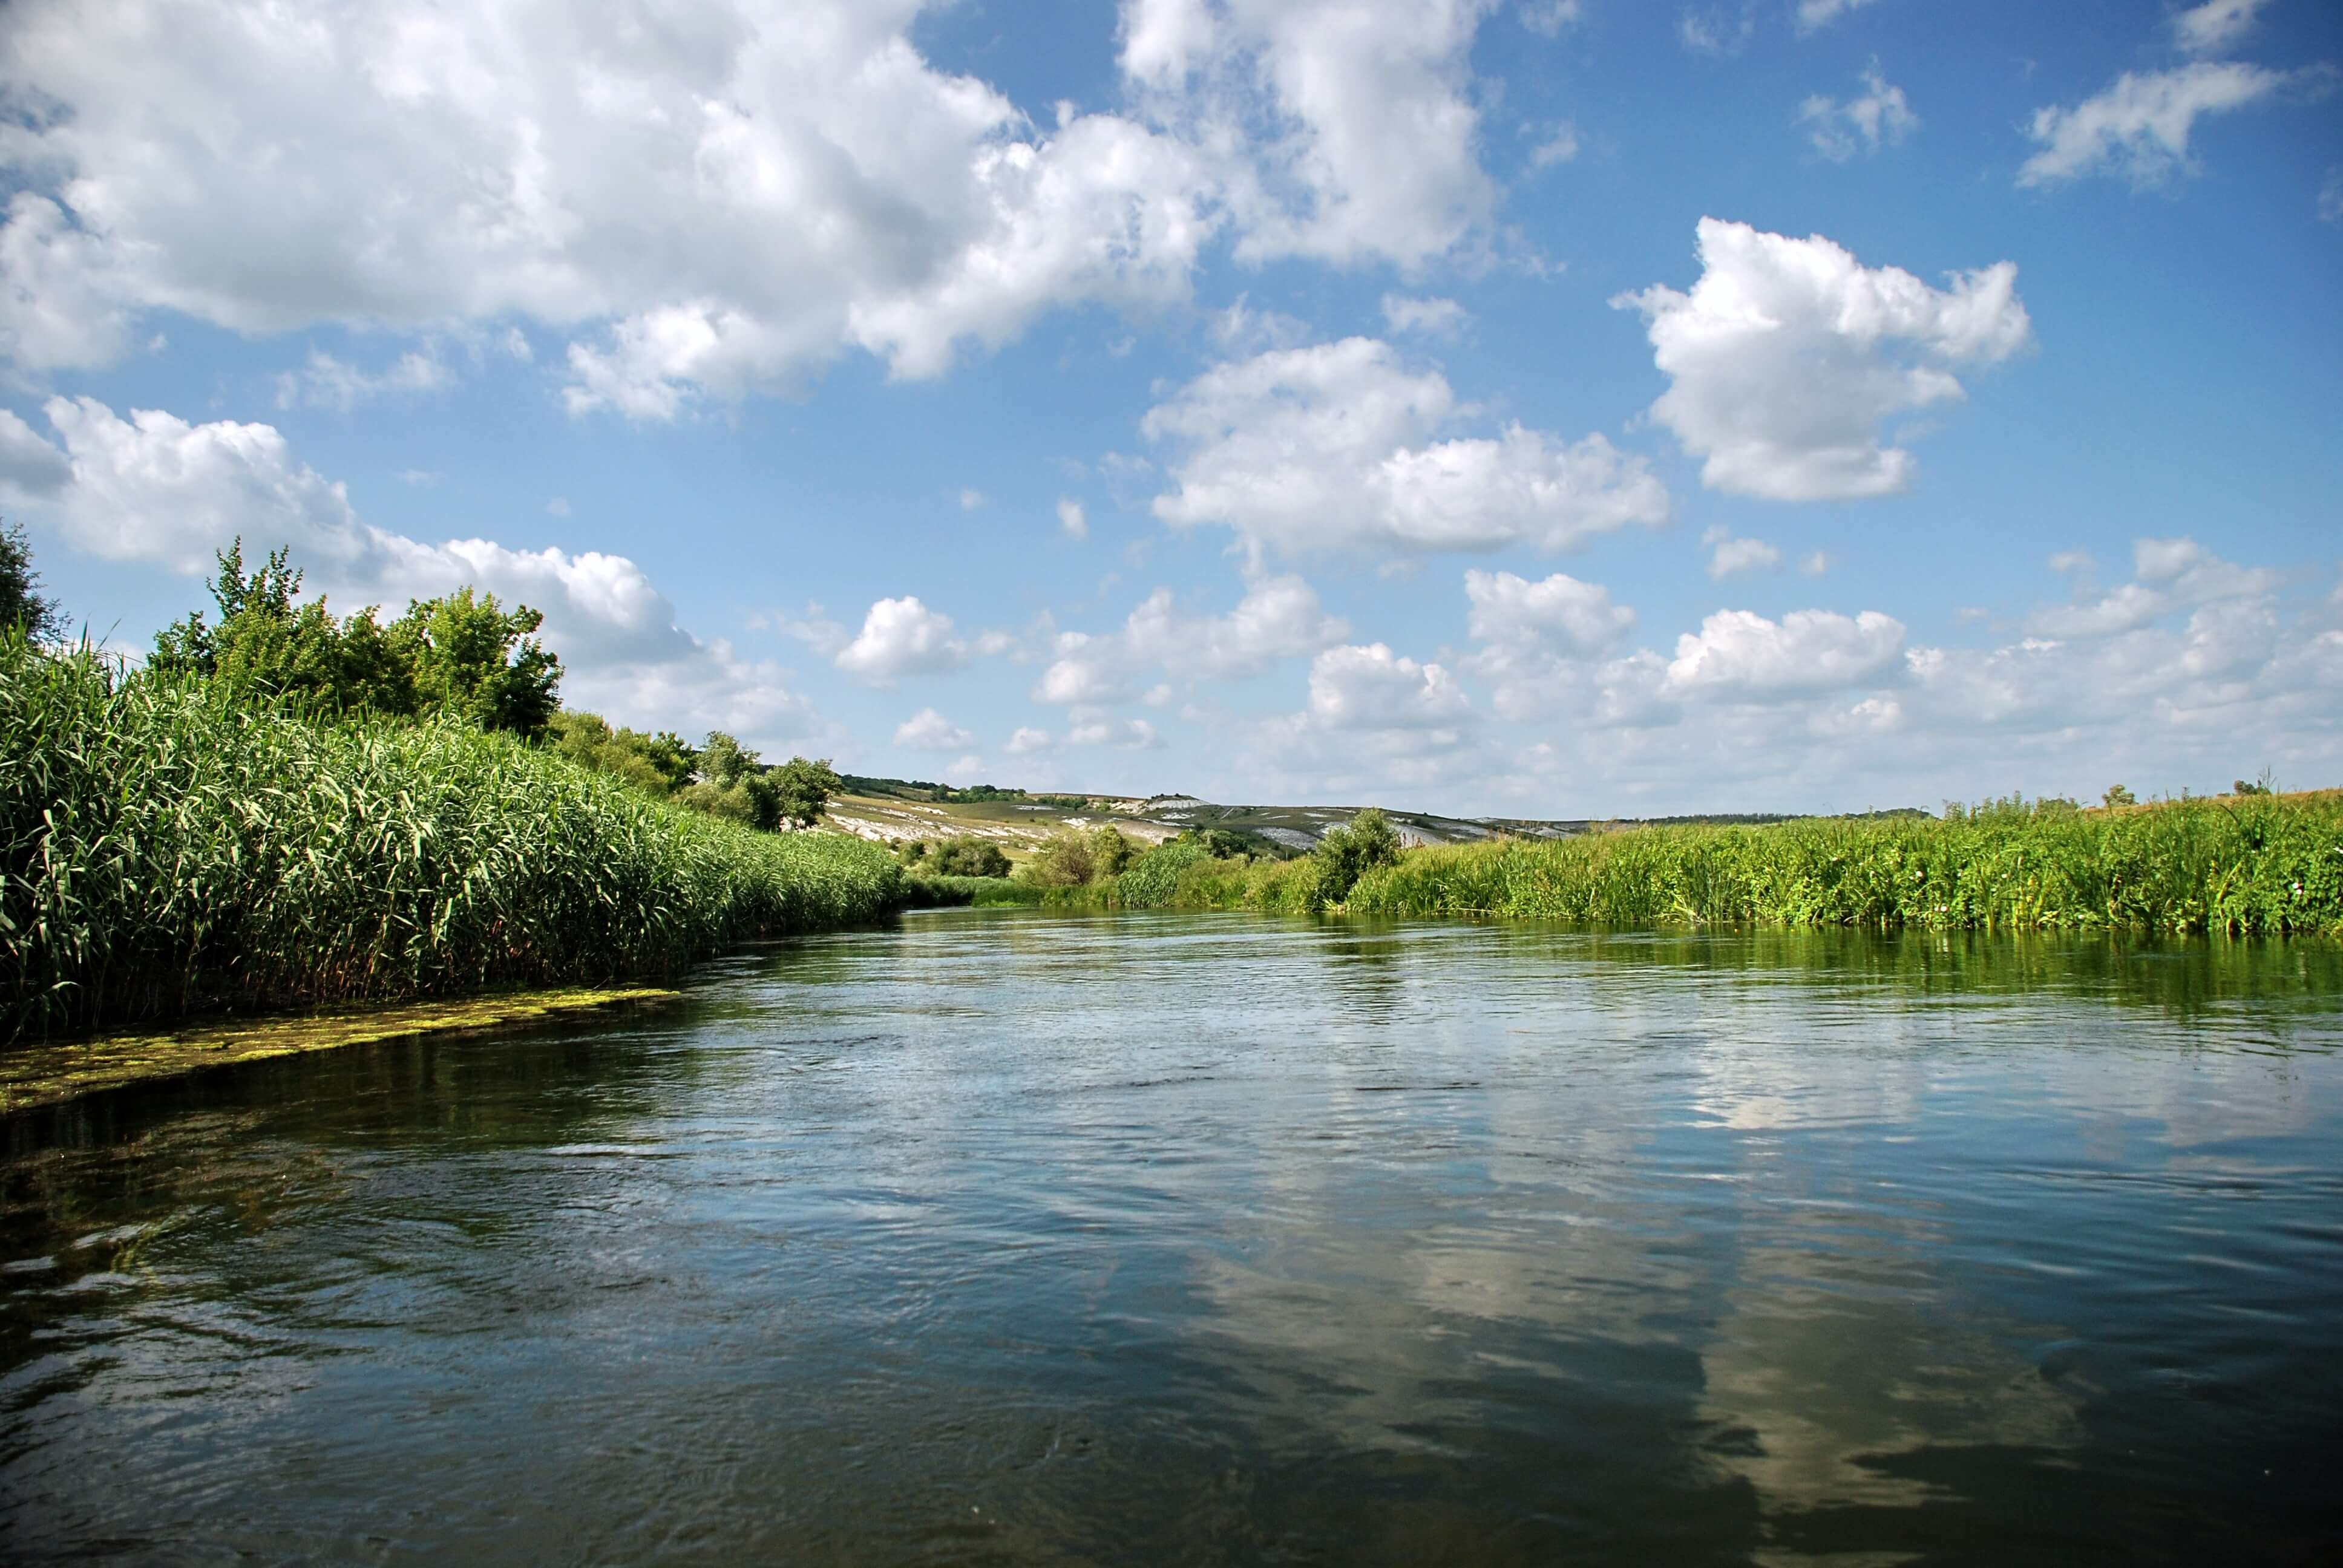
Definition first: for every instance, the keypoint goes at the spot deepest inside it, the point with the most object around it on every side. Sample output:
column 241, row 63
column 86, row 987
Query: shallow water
column 1013, row 1237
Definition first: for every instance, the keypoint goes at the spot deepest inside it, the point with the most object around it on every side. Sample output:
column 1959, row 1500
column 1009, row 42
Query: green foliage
column 475, row 660
column 658, row 764
column 2251, row 787
column 931, row 892
column 1072, row 858
column 969, row 858
column 1345, row 854
column 2259, row 865
column 462, row 656
column 804, row 789
column 1152, row 881
column 2117, row 794
column 169, row 845
column 22, row 605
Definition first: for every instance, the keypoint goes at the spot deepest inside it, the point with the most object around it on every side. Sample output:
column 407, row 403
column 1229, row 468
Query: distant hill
column 1018, row 822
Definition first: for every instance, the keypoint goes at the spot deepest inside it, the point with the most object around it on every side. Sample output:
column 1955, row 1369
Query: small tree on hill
column 2117, row 794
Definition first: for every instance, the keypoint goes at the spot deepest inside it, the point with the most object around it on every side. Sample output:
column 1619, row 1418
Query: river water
column 1009, row 1237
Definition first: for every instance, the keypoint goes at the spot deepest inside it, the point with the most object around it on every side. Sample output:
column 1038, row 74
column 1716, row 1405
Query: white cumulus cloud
column 1788, row 355
column 1277, row 618
column 1738, row 653
column 902, row 637
column 1560, row 614
column 1340, row 445
column 705, row 195
column 1370, row 687
column 927, row 730
column 1338, row 131
column 1730, row 555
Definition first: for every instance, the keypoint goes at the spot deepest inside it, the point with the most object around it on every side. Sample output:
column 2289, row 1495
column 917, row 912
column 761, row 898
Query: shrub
column 969, row 858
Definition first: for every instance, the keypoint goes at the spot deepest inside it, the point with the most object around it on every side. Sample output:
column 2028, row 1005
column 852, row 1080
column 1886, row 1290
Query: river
column 1013, row 1237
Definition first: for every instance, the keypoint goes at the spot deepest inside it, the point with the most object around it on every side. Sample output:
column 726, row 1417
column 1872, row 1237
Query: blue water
column 1013, row 1237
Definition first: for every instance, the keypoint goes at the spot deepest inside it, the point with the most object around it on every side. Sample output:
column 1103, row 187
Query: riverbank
column 168, row 850
column 2250, row 865
column 35, row 1076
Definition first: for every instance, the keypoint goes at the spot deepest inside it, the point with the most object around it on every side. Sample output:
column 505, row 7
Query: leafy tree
column 733, row 783
column 1347, row 853
column 2250, row 787
column 970, row 858
column 1075, row 859
column 658, row 764
column 805, row 789
column 463, row 654
column 476, row 659
column 2117, row 794
column 21, row 603
column 269, row 645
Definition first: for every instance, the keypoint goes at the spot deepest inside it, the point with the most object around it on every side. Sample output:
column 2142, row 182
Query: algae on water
column 32, row 1076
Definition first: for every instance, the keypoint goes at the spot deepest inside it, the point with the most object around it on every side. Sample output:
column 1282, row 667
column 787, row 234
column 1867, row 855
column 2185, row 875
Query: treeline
column 928, row 791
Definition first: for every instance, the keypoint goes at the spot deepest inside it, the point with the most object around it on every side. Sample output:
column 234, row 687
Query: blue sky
column 1549, row 409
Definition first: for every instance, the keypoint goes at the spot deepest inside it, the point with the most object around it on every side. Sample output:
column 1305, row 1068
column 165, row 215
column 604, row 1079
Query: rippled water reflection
column 1007, row 1237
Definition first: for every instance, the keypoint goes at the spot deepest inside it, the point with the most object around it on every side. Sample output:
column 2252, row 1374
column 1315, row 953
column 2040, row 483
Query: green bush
column 1153, row 879
column 969, row 858
column 1075, row 858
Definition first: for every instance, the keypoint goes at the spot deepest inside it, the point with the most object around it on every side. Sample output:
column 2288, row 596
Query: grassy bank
column 2254, row 865
column 168, row 848
column 959, row 892
column 2240, row 864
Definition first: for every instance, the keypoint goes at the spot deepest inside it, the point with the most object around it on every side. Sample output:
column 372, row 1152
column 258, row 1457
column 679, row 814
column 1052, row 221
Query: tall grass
column 169, row 848
column 2250, row 865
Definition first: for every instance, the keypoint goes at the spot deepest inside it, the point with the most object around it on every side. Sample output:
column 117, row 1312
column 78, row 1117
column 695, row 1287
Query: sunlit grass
column 2245, row 864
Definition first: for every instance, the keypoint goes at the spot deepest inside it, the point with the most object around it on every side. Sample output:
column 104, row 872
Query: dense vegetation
column 171, row 843
column 462, row 656
column 2258, row 863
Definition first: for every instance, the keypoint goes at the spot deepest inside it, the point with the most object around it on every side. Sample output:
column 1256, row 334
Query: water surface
column 1013, row 1237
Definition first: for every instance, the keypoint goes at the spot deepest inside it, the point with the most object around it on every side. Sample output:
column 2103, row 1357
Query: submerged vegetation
column 171, row 844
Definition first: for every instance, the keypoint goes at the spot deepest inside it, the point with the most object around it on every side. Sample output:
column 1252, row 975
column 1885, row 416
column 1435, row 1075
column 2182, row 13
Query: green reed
column 168, row 848
column 2246, row 865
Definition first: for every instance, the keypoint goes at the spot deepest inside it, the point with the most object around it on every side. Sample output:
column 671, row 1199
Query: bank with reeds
column 170, row 848
column 2248, row 865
